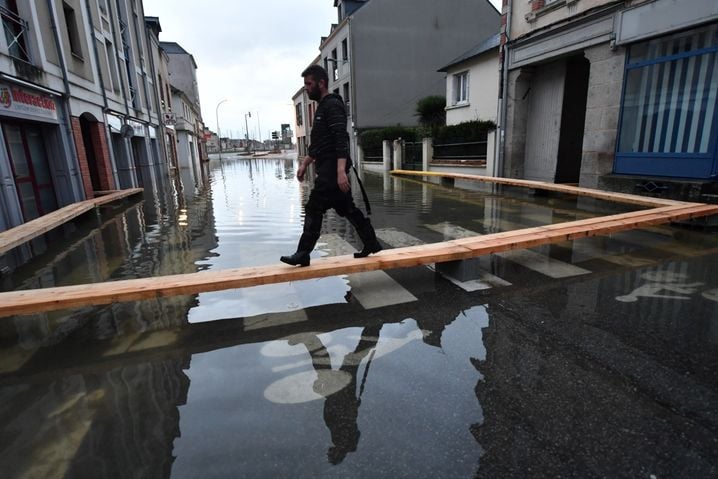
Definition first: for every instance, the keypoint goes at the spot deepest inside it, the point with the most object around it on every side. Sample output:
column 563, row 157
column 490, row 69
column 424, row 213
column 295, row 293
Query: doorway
column 31, row 169
column 85, row 127
column 573, row 120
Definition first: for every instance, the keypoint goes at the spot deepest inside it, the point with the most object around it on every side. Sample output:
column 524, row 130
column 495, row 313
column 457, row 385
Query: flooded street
column 597, row 357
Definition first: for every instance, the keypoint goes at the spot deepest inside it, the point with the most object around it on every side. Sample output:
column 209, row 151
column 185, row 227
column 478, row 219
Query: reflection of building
column 617, row 95
column 77, row 116
column 89, row 417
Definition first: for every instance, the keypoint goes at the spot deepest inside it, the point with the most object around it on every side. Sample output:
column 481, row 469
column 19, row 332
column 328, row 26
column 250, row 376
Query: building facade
column 382, row 56
column 472, row 90
column 611, row 94
column 189, row 127
column 78, row 112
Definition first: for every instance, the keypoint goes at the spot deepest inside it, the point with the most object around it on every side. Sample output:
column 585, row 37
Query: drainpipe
column 66, row 83
column 499, row 169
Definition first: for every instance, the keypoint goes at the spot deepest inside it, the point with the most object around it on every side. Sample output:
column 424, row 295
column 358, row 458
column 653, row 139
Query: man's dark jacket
column 329, row 139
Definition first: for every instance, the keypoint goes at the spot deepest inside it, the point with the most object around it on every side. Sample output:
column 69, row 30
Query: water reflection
column 302, row 380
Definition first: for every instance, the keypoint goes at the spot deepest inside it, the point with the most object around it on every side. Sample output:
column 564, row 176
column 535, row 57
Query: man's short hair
column 317, row 73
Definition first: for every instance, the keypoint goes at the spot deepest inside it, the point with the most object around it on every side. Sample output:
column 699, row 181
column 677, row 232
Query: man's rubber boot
column 368, row 237
column 369, row 248
column 305, row 246
column 300, row 258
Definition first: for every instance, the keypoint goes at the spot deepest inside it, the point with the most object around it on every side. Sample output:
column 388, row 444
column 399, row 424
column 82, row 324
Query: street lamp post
column 219, row 133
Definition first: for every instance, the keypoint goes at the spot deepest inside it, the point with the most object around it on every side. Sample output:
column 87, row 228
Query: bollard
column 427, row 153
column 398, row 153
column 360, row 158
column 386, row 154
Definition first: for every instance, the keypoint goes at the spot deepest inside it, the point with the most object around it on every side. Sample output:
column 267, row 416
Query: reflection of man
column 341, row 408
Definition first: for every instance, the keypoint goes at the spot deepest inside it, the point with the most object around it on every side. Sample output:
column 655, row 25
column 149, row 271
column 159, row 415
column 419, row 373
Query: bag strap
column 363, row 192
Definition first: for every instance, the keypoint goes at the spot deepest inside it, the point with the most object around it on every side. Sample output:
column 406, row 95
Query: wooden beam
column 18, row 235
column 30, row 301
column 540, row 185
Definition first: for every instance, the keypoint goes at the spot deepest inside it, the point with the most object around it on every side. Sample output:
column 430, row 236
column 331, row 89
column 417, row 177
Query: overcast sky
column 250, row 52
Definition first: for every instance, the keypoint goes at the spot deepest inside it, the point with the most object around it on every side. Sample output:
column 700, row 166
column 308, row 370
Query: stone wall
column 603, row 107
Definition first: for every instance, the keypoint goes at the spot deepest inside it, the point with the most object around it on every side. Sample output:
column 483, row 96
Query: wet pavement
column 596, row 357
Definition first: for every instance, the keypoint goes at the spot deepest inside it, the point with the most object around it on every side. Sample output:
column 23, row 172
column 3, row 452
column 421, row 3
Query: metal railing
column 16, row 34
column 472, row 150
column 412, row 156
column 375, row 155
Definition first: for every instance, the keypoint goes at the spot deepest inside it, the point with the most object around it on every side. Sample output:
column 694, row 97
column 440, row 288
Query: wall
column 547, row 14
column 603, row 107
column 397, row 47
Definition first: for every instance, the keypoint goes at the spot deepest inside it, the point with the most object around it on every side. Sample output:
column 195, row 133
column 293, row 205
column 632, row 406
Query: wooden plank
column 18, row 235
column 23, row 302
column 540, row 185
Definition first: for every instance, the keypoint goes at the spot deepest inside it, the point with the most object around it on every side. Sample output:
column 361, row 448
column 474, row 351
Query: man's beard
column 315, row 94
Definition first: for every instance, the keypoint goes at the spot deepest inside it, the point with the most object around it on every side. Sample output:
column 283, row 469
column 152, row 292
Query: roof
column 487, row 45
column 173, row 48
column 154, row 21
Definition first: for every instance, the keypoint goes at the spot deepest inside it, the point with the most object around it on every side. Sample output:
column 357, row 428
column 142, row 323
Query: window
column 73, row 33
column 16, row 31
column 345, row 51
column 300, row 117
column 103, row 6
column 335, row 66
column 346, row 96
column 461, row 88
column 670, row 105
column 114, row 82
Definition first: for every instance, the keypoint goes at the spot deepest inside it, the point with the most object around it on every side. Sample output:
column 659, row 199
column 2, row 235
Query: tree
column 431, row 111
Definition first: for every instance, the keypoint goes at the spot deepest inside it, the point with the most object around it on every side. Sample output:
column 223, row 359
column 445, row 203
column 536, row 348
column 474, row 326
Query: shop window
column 669, row 106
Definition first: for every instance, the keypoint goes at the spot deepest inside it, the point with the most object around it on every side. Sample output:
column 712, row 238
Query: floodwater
column 596, row 357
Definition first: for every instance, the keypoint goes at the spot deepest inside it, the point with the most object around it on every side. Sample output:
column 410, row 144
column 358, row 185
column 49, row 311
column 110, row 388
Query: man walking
column 329, row 150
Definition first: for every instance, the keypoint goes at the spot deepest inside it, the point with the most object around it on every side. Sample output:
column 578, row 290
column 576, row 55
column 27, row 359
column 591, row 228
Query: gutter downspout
column 503, row 97
column 66, row 99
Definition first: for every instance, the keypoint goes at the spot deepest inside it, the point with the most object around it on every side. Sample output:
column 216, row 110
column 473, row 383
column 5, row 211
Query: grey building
column 383, row 55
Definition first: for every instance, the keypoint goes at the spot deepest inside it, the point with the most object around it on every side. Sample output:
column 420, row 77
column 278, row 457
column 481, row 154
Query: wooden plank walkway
column 540, row 185
column 14, row 237
column 30, row 301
